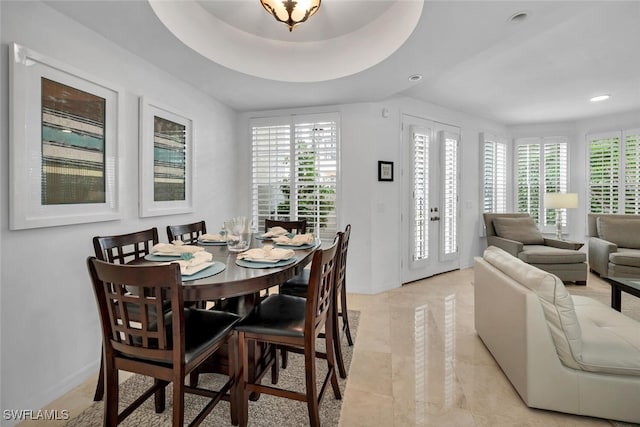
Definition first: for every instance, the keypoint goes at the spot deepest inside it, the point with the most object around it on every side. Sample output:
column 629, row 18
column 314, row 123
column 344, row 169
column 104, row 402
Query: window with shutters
column 494, row 179
column 541, row 167
column 450, row 194
column 420, row 192
column 295, row 171
column 614, row 172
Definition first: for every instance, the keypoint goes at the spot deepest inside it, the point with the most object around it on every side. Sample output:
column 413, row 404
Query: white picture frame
column 30, row 206
column 151, row 170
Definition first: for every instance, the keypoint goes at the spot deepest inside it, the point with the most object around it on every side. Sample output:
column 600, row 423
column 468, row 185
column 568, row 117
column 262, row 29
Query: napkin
column 297, row 240
column 199, row 261
column 212, row 238
column 266, row 254
column 175, row 249
column 275, row 231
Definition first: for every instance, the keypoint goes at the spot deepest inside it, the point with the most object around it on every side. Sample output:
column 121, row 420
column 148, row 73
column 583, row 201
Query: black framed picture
column 385, row 171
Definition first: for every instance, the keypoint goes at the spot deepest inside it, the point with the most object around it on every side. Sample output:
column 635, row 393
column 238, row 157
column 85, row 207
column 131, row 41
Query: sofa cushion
column 624, row 232
column 625, row 256
column 521, row 229
column 610, row 340
column 556, row 302
column 538, row 254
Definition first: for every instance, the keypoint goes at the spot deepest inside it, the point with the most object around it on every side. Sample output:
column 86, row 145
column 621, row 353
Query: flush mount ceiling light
column 415, row 78
column 600, row 98
column 291, row 12
column 243, row 45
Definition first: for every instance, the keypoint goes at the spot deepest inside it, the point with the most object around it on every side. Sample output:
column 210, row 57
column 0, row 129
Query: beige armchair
column 517, row 234
column 614, row 244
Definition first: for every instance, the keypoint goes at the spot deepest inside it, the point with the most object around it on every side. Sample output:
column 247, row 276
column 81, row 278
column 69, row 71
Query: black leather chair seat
column 281, row 315
column 202, row 328
column 297, row 285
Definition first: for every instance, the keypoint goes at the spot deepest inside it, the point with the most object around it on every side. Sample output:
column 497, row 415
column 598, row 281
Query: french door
column 431, row 183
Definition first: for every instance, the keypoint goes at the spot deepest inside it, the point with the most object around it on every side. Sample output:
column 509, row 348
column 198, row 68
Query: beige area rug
column 267, row 411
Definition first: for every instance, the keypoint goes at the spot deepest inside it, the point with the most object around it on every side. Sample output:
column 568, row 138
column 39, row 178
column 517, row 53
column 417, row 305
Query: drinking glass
column 238, row 233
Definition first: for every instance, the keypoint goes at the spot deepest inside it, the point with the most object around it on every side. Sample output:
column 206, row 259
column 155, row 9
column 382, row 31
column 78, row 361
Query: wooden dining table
column 236, row 281
column 242, row 285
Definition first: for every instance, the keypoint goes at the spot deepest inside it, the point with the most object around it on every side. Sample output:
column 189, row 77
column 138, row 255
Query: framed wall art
column 385, row 171
column 64, row 130
column 166, row 147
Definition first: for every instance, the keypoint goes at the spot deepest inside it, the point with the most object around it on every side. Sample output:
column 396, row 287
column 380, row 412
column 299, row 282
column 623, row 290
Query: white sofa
column 561, row 353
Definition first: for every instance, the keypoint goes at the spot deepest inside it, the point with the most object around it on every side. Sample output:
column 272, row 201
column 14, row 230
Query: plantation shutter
column 604, row 173
column 528, row 163
column 271, row 171
column 450, row 194
column 316, row 166
column 494, row 178
column 632, row 172
column 555, row 164
column 542, row 167
column 420, row 178
column 295, row 171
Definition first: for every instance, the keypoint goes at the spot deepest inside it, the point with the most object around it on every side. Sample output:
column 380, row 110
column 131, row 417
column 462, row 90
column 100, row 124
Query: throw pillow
column 520, row 229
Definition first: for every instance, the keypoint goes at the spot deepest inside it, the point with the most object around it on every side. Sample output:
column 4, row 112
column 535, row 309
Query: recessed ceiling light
column 519, row 17
column 600, row 98
column 415, row 78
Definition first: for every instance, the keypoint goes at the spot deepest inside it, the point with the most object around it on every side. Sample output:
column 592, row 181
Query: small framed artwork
column 385, row 171
column 65, row 127
column 165, row 160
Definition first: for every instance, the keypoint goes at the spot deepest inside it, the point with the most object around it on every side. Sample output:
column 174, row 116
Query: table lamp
column 560, row 201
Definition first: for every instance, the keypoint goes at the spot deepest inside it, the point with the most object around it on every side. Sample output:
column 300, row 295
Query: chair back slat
column 320, row 290
column 188, row 233
column 297, row 227
column 131, row 301
column 124, row 248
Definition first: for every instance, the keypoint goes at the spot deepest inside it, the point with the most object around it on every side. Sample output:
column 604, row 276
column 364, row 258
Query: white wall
column 49, row 323
column 373, row 208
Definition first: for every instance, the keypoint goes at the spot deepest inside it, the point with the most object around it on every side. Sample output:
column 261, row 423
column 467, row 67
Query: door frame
column 438, row 263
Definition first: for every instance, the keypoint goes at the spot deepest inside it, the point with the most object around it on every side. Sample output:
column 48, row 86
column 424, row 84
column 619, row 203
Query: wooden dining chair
column 297, row 227
column 293, row 323
column 164, row 345
column 122, row 249
column 188, row 233
column 298, row 286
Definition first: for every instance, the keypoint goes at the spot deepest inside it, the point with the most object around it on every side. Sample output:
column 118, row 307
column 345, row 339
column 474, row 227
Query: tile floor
column 418, row 362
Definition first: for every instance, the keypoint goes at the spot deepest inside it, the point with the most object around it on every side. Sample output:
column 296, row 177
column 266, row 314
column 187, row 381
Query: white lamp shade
column 560, row 200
